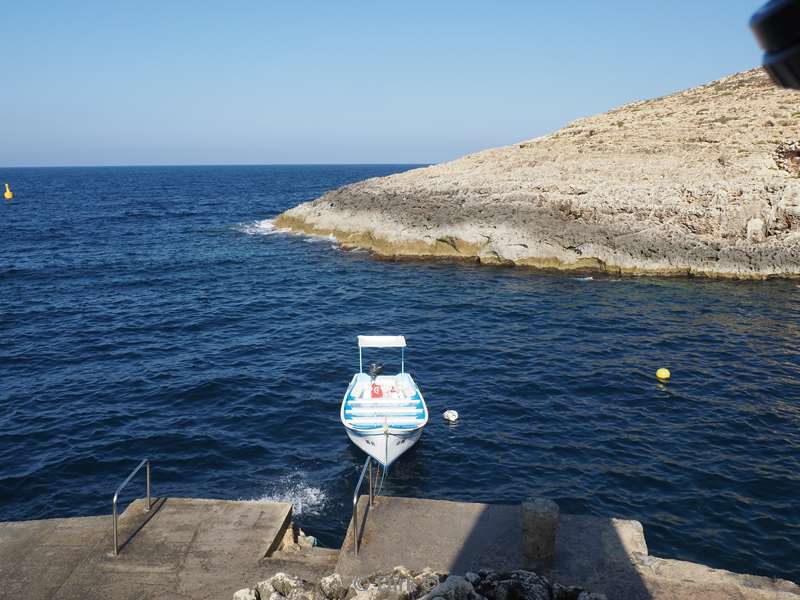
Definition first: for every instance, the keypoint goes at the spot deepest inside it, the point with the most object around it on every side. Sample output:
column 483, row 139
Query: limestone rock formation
column 701, row 182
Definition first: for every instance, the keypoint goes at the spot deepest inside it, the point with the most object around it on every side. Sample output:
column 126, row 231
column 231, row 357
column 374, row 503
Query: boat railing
column 144, row 462
column 367, row 468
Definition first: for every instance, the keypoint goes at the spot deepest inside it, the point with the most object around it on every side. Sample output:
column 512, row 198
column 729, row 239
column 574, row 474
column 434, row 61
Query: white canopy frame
column 382, row 341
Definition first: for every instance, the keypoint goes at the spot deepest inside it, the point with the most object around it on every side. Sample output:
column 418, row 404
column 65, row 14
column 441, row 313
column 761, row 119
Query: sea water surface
column 154, row 312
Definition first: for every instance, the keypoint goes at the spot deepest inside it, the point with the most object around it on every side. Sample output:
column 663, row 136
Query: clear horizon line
column 129, row 165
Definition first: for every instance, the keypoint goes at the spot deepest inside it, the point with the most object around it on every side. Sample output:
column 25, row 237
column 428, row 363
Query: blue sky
column 96, row 83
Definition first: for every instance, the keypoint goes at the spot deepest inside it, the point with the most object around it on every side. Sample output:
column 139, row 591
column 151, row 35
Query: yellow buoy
column 663, row 373
column 8, row 195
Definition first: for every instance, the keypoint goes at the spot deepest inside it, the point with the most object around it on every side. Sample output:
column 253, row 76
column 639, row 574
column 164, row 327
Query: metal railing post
column 370, row 484
column 367, row 466
column 355, row 527
column 149, row 503
column 114, row 500
column 114, row 513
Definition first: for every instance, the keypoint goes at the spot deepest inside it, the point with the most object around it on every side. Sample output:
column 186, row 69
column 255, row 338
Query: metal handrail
column 367, row 466
column 116, row 497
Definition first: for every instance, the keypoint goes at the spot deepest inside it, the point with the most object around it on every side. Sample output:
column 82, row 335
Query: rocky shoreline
column 704, row 182
column 403, row 584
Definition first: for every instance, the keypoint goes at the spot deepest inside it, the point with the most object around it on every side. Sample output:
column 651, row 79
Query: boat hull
column 383, row 415
column 385, row 447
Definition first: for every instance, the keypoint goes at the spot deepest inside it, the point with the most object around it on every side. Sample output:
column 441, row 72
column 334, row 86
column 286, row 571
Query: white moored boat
column 383, row 414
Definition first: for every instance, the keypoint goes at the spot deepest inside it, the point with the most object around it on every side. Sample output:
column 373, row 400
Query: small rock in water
column 450, row 415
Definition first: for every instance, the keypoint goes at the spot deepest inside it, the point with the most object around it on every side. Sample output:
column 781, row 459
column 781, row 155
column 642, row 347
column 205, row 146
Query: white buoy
column 450, row 415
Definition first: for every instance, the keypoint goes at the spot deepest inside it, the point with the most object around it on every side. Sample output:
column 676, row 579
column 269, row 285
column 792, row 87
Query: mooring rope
column 383, row 478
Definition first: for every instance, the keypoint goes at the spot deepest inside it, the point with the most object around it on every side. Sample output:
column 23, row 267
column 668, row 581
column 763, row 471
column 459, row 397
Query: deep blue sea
column 154, row 312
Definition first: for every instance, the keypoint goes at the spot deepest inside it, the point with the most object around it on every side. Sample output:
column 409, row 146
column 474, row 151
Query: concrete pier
column 449, row 537
column 181, row 548
column 604, row 555
column 193, row 548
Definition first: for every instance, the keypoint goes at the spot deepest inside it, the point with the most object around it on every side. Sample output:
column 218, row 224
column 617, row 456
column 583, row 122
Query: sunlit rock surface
column 702, row 182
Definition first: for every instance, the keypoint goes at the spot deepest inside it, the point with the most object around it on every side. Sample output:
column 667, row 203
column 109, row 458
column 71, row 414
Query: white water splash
column 306, row 499
column 267, row 227
column 264, row 227
column 584, row 278
column 311, row 238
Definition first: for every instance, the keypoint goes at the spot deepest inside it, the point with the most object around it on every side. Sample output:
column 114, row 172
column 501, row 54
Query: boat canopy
column 381, row 341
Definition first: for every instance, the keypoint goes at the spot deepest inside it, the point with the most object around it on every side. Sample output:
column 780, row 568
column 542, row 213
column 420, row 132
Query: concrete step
column 183, row 547
column 311, row 563
column 446, row 536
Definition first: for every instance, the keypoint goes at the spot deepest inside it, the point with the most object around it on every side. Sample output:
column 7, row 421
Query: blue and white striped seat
column 404, row 410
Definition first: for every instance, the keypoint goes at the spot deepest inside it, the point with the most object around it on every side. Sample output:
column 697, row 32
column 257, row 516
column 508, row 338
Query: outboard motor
column 375, row 369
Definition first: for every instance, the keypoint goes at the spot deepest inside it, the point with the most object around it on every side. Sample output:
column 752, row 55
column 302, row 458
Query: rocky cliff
column 701, row 182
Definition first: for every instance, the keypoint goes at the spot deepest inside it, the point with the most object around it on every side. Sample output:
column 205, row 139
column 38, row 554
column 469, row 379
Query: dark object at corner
column 776, row 26
column 375, row 369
